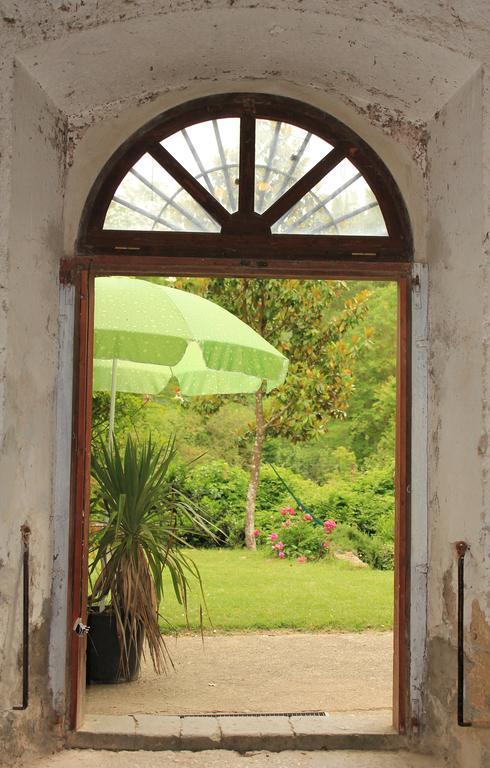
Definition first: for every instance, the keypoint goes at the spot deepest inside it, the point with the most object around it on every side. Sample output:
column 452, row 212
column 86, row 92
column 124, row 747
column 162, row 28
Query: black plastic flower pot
column 104, row 651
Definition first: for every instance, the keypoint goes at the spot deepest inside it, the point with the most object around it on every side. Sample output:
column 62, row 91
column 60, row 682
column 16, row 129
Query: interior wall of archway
column 70, row 101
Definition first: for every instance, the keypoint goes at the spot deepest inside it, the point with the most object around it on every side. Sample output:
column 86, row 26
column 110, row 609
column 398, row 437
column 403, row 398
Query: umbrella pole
column 112, row 410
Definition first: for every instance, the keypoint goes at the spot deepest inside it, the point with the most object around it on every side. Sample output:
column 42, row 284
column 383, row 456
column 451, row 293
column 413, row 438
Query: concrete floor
column 225, row 759
column 252, row 733
column 267, row 672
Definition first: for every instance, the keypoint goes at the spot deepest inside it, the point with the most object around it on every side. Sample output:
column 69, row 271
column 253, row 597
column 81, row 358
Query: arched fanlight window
column 247, row 171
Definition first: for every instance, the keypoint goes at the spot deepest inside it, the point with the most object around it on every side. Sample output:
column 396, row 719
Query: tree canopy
column 311, row 322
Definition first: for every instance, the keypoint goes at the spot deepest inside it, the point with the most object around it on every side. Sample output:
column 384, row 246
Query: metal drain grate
column 260, row 714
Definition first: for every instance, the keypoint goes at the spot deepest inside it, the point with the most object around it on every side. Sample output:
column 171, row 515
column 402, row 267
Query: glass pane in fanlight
column 148, row 198
column 342, row 203
column 283, row 154
column 210, row 152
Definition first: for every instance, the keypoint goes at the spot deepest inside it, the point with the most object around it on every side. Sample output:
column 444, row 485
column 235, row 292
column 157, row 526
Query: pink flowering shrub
column 297, row 537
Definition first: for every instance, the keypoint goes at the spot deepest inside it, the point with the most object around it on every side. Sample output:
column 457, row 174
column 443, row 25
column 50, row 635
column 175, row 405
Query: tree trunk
column 250, row 541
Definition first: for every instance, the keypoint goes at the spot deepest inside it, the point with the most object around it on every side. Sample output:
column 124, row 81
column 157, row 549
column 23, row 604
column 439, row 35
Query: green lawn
column 250, row 591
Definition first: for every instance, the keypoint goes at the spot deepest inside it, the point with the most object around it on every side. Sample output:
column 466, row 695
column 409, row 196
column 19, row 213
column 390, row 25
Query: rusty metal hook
column 461, row 549
column 25, row 532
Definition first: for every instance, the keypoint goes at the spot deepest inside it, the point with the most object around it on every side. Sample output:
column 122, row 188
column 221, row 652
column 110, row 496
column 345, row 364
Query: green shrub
column 221, row 491
column 272, row 494
column 372, row 550
column 360, row 502
column 364, row 505
column 295, row 535
column 385, row 527
column 363, row 501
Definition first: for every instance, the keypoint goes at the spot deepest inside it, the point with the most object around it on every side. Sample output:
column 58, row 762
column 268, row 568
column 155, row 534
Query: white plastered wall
column 29, row 379
column 458, row 372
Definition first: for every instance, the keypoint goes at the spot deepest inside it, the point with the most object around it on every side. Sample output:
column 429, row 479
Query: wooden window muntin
column 246, row 228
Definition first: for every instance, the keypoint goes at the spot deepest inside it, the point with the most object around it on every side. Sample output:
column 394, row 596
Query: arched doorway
column 241, row 185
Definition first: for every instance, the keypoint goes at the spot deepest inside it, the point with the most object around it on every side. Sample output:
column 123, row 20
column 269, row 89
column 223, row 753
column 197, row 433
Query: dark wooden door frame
column 244, row 247
column 137, row 265
column 80, row 492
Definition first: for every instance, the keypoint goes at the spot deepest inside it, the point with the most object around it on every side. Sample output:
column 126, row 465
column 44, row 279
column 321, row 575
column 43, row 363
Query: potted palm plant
column 137, row 519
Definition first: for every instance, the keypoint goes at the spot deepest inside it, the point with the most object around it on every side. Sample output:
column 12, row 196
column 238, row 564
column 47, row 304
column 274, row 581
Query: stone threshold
column 275, row 733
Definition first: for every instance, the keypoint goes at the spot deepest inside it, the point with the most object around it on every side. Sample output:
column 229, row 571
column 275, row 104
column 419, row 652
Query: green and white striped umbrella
column 143, row 332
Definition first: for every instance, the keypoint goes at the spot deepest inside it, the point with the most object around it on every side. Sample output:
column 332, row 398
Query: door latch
column 80, row 628
column 417, row 291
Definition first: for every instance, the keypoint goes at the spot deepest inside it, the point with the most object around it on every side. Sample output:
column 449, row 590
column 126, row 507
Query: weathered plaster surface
column 28, row 434
column 355, row 45
column 76, row 79
column 457, row 404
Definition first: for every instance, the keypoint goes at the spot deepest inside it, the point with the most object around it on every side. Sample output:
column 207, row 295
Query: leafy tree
column 373, row 403
column 130, row 414
column 378, row 425
column 328, row 455
column 309, row 322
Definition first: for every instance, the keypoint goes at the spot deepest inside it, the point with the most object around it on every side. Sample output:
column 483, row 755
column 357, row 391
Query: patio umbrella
column 191, row 374
column 140, row 322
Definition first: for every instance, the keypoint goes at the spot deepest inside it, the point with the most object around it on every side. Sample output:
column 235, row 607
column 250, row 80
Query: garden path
column 260, row 672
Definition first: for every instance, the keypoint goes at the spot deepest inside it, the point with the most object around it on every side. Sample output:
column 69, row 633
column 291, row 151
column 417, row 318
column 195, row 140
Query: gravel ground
column 277, row 672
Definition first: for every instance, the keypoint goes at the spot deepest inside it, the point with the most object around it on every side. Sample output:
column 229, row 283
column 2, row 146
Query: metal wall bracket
column 25, row 534
column 417, row 291
column 461, row 549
